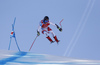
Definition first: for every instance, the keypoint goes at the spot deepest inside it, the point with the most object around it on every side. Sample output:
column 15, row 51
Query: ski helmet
column 46, row 17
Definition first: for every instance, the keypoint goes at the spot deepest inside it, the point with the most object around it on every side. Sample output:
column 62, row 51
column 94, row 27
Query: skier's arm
column 52, row 24
column 60, row 29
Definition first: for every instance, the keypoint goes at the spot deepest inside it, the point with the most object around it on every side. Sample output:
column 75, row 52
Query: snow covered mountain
column 28, row 58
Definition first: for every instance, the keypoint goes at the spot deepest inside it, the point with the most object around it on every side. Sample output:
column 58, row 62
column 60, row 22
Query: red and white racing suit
column 46, row 29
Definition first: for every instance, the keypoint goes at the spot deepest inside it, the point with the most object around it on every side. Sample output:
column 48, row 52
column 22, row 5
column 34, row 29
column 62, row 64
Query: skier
column 44, row 25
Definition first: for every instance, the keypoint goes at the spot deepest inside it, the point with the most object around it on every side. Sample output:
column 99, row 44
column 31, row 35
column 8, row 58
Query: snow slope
column 28, row 58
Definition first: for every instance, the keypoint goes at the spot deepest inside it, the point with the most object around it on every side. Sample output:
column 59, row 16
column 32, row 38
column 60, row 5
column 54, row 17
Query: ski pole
column 33, row 43
column 60, row 22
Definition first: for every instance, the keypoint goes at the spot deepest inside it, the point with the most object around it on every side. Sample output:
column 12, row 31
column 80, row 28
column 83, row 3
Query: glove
column 38, row 33
column 57, row 26
column 60, row 29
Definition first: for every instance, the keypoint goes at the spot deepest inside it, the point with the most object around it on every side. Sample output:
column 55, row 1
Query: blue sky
column 81, row 26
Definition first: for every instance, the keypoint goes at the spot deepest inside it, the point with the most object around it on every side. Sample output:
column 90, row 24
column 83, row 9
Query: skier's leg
column 53, row 34
column 49, row 39
column 46, row 33
column 55, row 37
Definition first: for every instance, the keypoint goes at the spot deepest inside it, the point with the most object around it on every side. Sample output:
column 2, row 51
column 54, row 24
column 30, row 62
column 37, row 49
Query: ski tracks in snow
column 80, row 27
